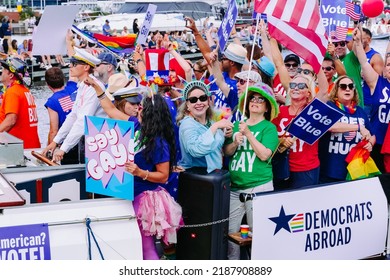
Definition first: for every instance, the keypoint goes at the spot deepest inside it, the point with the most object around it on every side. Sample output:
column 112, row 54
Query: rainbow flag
column 349, row 36
column 360, row 164
column 118, row 44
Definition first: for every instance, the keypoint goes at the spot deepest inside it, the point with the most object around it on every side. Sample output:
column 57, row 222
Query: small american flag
column 352, row 10
column 349, row 135
column 341, row 33
column 66, row 103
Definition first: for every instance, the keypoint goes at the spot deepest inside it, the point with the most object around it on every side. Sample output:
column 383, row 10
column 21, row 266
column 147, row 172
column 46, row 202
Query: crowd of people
column 180, row 126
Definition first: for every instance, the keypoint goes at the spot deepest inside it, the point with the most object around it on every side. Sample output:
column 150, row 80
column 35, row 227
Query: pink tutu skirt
column 160, row 215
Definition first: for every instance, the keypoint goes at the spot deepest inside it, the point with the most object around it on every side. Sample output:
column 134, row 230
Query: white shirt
column 86, row 104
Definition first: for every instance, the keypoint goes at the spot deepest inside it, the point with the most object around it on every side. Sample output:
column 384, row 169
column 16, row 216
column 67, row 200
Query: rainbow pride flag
column 118, row 44
column 360, row 164
column 349, row 36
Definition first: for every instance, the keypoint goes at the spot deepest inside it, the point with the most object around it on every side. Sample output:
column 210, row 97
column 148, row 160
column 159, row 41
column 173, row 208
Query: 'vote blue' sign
column 227, row 24
column 314, row 121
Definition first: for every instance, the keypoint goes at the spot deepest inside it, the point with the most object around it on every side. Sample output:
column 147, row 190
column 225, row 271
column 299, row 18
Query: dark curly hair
column 157, row 124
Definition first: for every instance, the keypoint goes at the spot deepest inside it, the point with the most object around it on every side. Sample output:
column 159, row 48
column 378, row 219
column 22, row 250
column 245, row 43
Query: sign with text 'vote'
column 27, row 242
column 314, row 121
column 227, row 24
column 109, row 144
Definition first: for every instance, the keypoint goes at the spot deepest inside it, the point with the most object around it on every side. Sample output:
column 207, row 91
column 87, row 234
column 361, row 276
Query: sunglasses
column 328, row 68
column 257, row 99
column 351, row 86
column 341, row 44
column 195, row 99
column 242, row 81
column 291, row 65
column 299, row 85
column 305, row 71
column 74, row 63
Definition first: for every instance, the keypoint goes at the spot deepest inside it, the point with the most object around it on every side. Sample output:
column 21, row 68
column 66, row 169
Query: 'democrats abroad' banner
column 109, row 144
column 340, row 221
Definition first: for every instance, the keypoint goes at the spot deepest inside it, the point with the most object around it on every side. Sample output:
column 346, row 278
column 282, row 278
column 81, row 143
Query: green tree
column 26, row 13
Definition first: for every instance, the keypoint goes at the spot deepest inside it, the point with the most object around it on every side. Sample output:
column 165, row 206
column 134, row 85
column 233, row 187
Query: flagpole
column 250, row 64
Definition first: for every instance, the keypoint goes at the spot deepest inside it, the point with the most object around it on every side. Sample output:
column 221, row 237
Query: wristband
column 100, row 96
column 146, row 176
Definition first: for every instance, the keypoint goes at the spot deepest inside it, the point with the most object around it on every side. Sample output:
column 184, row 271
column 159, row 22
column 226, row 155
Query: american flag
column 352, row 10
column 341, row 33
column 66, row 103
column 298, row 26
column 349, row 135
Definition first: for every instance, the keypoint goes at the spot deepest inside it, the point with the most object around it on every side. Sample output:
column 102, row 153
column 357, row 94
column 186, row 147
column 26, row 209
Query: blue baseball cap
column 108, row 58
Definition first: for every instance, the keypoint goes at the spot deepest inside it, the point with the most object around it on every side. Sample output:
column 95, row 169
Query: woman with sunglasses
column 303, row 158
column 200, row 138
column 250, row 148
column 352, row 128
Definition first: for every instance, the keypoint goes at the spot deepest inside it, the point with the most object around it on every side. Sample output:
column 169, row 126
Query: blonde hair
column 335, row 89
column 311, row 86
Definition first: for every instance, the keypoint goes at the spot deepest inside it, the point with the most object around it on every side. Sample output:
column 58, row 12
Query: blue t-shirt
column 219, row 98
column 334, row 147
column 106, row 29
column 380, row 109
column 62, row 101
column 160, row 154
column 365, row 88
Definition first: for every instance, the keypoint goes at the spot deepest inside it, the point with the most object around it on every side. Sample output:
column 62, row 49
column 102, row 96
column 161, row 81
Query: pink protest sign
column 109, row 144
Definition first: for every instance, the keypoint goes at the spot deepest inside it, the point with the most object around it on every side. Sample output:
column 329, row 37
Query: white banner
column 49, row 39
column 144, row 31
column 340, row 221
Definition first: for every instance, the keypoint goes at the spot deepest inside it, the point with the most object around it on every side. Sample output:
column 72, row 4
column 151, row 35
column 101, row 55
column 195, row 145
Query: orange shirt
column 17, row 99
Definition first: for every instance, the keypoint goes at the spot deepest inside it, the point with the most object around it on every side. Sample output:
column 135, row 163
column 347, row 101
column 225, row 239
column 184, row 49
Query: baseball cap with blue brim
column 108, row 58
column 82, row 56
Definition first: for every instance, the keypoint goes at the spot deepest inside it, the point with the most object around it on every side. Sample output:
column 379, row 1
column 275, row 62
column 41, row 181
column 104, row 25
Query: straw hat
column 236, row 53
column 253, row 76
column 118, row 81
column 266, row 92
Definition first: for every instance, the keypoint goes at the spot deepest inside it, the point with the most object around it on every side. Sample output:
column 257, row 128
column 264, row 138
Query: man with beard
column 106, row 68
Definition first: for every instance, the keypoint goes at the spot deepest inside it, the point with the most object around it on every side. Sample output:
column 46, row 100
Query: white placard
column 144, row 31
column 49, row 39
column 340, row 221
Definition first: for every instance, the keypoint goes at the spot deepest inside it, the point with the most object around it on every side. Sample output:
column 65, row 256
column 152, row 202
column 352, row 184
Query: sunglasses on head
column 351, row 86
column 195, row 99
column 328, row 68
column 299, row 85
column 289, row 65
column 341, row 44
column 257, row 99
column 305, row 71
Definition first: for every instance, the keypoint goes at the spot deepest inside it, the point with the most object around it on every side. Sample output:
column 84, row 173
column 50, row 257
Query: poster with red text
column 109, row 144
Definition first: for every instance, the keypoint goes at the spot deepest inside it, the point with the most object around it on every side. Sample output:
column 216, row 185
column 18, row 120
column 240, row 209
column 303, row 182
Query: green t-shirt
column 246, row 169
